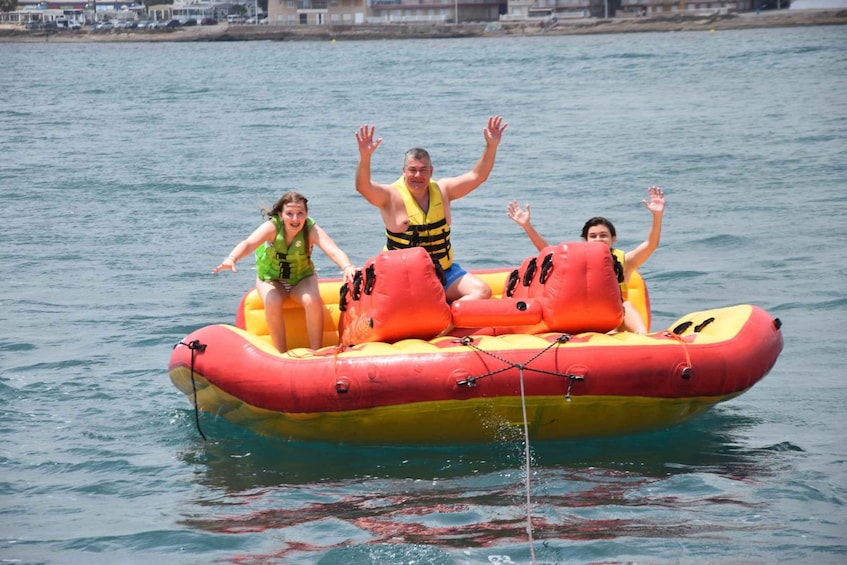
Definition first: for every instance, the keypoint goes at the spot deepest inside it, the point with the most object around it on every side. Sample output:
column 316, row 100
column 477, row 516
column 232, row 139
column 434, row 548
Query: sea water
column 130, row 170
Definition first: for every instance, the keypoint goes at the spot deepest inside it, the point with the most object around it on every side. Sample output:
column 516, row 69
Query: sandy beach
column 225, row 32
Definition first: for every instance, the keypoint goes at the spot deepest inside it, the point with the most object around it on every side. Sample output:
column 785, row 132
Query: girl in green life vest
column 284, row 266
column 602, row 230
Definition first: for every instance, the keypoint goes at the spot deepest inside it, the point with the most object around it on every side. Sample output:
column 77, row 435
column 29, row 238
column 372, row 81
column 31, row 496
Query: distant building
column 100, row 10
column 359, row 12
column 333, row 12
column 353, row 12
column 79, row 12
column 819, row 4
column 547, row 10
column 196, row 9
column 693, row 7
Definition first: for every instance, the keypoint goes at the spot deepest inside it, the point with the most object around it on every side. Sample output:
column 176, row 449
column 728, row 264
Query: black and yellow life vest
column 620, row 269
column 429, row 229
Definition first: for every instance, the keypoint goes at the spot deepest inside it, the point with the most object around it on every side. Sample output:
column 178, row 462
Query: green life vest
column 277, row 260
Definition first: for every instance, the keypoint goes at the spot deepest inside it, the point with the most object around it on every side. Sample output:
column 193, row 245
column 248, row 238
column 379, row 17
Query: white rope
column 527, row 463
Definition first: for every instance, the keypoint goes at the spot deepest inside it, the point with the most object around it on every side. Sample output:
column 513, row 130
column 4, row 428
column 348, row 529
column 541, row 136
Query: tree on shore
column 8, row 5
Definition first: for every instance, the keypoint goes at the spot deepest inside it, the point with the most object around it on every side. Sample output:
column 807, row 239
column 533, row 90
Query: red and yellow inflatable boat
column 401, row 366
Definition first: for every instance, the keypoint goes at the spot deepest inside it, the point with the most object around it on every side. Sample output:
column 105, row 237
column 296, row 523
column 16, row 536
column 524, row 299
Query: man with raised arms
column 416, row 209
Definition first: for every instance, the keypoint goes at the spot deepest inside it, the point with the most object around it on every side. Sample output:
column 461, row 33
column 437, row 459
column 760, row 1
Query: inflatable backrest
column 397, row 295
column 580, row 288
column 568, row 288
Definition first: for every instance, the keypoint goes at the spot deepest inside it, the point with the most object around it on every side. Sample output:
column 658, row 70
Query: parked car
column 208, row 22
column 68, row 24
column 189, row 22
column 173, row 23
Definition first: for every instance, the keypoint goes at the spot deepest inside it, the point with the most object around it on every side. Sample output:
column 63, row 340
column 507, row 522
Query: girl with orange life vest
column 602, row 230
column 284, row 267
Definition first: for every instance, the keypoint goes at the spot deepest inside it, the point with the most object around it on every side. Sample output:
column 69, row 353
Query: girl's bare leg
column 307, row 293
column 273, row 296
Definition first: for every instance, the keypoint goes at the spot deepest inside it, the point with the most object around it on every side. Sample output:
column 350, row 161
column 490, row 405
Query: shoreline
column 226, row 32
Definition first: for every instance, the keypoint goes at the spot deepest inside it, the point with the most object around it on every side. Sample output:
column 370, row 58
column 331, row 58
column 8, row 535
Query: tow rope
column 194, row 346
column 521, row 367
column 527, row 460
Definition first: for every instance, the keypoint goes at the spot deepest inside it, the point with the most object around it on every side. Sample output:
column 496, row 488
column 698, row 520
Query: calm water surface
column 128, row 171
